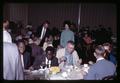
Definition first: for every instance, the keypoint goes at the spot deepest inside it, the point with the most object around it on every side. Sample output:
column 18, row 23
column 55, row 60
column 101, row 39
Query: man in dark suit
column 36, row 50
column 43, row 32
column 25, row 56
column 46, row 60
column 102, row 67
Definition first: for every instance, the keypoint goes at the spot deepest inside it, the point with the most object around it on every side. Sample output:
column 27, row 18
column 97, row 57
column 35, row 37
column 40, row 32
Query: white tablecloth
column 74, row 74
column 66, row 74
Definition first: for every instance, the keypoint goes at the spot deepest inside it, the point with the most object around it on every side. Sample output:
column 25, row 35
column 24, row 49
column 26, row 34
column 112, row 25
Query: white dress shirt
column 6, row 37
column 22, row 61
column 48, row 62
column 43, row 33
column 101, row 58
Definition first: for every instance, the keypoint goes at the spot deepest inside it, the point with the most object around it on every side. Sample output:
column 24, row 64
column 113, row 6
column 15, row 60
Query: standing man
column 12, row 67
column 6, row 34
column 66, row 34
column 43, row 32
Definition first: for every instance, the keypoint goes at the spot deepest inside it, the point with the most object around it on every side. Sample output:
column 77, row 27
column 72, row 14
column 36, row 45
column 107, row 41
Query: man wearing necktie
column 43, row 32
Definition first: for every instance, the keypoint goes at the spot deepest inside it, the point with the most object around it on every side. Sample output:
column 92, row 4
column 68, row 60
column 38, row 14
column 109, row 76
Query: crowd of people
column 29, row 48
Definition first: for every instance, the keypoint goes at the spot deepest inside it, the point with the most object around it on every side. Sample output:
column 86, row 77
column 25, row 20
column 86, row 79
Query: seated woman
column 46, row 60
column 25, row 56
column 48, row 42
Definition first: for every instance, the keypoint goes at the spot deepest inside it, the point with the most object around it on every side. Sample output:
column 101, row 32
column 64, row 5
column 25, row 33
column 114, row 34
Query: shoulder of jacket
column 74, row 52
column 61, row 49
column 10, row 44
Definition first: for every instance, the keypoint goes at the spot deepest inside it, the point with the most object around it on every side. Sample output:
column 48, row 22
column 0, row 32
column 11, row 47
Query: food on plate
column 55, row 69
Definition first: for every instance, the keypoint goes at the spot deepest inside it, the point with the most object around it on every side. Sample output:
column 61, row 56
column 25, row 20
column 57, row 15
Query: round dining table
column 67, row 73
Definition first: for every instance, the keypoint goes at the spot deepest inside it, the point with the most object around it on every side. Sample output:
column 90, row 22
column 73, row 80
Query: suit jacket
column 112, row 58
column 100, row 69
column 39, row 59
column 12, row 66
column 61, row 52
column 38, row 33
column 36, row 51
column 26, row 59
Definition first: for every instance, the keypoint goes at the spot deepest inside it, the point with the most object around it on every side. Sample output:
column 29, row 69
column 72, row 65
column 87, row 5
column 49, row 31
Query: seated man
column 46, row 60
column 25, row 56
column 36, row 50
column 68, row 55
column 102, row 67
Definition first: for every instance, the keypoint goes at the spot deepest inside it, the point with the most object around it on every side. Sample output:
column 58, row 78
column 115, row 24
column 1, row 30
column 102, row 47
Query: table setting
column 70, row 73
column 55, row 73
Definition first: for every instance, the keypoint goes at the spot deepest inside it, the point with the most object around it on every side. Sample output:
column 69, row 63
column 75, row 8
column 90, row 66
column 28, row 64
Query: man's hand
column 63, row 59
column 80, row 61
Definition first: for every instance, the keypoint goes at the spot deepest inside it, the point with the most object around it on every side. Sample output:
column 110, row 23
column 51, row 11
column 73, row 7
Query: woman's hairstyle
column 67, row 22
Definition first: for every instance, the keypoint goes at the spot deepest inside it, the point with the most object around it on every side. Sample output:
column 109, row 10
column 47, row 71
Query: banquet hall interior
column 59, row 41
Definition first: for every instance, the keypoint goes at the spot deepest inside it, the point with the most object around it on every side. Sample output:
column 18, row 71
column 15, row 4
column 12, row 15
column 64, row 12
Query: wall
column 56, row 13
column 19, row 12
column 92, row 14
column 6, row 11
column 96, row 14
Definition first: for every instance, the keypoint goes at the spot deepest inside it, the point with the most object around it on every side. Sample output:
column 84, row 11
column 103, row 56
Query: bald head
column 99, row 51
column 70, row 46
